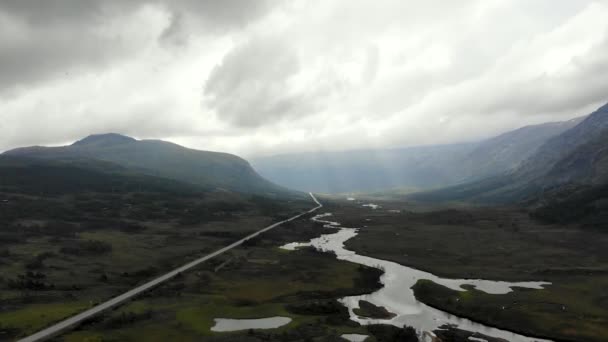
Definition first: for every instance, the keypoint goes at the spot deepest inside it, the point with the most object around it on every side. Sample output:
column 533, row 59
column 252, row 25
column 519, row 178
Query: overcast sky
column 266, row 77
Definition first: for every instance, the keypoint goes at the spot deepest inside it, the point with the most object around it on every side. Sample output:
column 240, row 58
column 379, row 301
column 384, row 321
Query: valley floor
column 43, row 283
column 498, row 244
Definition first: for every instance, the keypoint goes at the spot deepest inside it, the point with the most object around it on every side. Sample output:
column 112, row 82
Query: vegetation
column 367, row 309
column 587, row 206
column 211, row 170
column 78, row 236
column 498, row 244
column 556, row 312
column 260, row 280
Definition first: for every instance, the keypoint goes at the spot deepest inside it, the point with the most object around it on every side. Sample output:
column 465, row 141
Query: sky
column 267, row 77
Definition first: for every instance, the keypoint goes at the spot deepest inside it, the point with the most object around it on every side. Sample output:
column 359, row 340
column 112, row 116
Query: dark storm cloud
column 41, row 40
column 217, row 13
column 250, row 86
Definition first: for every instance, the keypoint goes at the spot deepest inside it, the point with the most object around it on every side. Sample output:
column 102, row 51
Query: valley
column 493, row 243
column 259, row 279
column 303, row 171
column 146, row 239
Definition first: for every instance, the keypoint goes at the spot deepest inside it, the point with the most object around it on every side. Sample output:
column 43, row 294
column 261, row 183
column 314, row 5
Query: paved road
column 75, row 320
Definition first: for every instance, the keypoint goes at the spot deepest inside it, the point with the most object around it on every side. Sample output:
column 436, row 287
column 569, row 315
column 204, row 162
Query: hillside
column 162, row 159
column 576, row 157
column 506, row 151
column 48, row 177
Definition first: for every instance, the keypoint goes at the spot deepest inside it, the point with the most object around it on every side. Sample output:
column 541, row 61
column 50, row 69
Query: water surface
column 354, row 337
column 229, row 324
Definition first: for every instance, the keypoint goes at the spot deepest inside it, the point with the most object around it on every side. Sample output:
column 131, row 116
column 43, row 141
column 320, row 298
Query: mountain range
column 419, row 168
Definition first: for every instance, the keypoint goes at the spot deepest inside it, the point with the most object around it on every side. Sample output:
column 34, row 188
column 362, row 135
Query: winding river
column 396, row 295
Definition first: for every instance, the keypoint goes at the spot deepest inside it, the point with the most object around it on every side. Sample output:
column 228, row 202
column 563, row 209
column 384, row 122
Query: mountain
column 577, row 157
column 421, row 167
column 506, row 151
column 161, row 159
column 365, row 170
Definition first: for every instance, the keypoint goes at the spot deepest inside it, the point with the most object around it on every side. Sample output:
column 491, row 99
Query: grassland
column 256, row 281
column 62, row 252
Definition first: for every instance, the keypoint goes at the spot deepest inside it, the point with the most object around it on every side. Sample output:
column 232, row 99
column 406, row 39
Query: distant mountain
column 161, row 159
column 421, row 167
column 577, row 157
column 366, row 170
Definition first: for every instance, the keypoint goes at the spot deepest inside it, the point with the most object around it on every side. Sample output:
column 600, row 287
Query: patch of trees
column 334, row 312
column 87, row 247
column 125, row 319
column 389, row 333
column 224, row 234
column 268, row 206
column 33, row 281
column 368, row 309
column 254, row 241
column 52, row 228
column 303, row 332
column 68, row 178
column 38, row 261
column 211, row 211
column 585, row 205
column 107, row 224
column 368, row 279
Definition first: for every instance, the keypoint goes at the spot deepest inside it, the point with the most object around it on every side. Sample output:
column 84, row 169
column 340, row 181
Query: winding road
column 73, row 321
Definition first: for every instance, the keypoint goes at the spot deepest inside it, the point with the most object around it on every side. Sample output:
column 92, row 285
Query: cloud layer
column 264, row 77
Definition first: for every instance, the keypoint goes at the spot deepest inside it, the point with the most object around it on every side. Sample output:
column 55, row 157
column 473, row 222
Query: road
column 73, row 321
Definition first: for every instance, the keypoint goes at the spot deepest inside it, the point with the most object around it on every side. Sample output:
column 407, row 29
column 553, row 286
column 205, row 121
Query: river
column 397, row 296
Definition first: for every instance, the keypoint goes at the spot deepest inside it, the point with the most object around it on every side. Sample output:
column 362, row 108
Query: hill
column 161, row 159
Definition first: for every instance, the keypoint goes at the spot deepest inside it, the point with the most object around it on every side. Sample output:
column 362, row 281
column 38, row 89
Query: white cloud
column 289, row 76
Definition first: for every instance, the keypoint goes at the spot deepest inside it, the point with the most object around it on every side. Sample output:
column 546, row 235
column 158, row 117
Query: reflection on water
column 228, row 324
column 396, row 295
